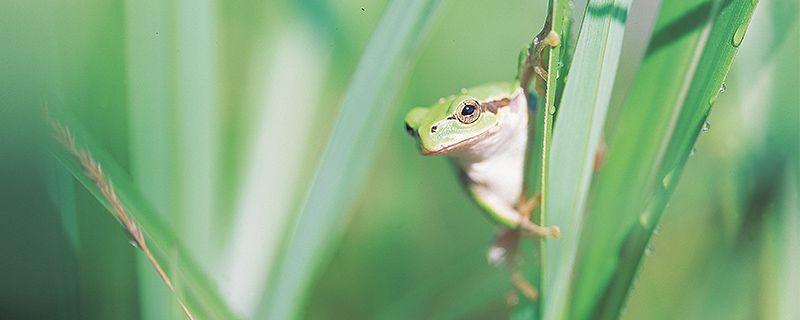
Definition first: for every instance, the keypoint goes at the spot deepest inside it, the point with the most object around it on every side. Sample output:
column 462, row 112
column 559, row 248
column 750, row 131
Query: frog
column 483, row 131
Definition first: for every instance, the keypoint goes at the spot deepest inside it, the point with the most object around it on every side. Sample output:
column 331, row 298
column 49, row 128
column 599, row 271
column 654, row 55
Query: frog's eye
column 410, row 130
column 468, row 111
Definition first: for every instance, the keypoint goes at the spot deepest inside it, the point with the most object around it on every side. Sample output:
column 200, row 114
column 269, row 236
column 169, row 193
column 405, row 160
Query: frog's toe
column 555, row 232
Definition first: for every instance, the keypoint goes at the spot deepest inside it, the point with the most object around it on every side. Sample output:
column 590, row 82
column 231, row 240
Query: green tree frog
column 484, row 132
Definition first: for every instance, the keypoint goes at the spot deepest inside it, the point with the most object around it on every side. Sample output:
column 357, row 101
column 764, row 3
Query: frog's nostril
column 433, row 129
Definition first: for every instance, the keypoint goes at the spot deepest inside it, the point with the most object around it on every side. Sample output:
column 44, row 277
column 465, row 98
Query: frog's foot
column 525, row 208
column 523, row 285
column 531, row 228
column 504, row 248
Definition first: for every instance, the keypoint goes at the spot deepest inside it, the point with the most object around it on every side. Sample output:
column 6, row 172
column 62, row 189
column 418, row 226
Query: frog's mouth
column 457, row 145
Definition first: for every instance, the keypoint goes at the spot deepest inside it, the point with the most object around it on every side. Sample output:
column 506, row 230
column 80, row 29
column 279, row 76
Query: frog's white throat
column 494, row 164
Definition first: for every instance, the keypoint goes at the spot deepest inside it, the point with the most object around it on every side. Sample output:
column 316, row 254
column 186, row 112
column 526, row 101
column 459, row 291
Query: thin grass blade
column 197, row 129
column 543, row 129
column 576, row 135
column 349, row 152
column 149, row 67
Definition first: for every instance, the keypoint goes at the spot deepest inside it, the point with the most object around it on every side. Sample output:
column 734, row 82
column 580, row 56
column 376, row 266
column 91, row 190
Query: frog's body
column 489, row 153
column 484, row 132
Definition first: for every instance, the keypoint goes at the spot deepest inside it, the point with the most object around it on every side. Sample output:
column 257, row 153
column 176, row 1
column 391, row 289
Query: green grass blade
column 197, row 128
column 350, row 149
column 149, row 38
column 543, row 128
column 685, row 65
column 576, row 135
column 556, row 55
column 787, row 256
column 561, row 24
column 145, row 229
column 782, row 142
column 298, row 74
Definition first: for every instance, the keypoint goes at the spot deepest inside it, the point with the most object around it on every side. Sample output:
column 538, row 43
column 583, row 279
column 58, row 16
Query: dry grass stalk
column 95, row 173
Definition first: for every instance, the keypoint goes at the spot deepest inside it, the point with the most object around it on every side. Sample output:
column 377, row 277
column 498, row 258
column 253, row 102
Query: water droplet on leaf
column 706, row 126
column 739, row 35
column 722, row 88
column 643, row 219
column 713, row 99
column 666, row 180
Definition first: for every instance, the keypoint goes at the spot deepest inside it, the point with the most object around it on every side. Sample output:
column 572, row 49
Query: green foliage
column 258, row 163
column 678, row 81
column 344, row 161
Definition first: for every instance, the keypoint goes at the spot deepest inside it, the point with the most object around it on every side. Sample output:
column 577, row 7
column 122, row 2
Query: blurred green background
column 220, row 112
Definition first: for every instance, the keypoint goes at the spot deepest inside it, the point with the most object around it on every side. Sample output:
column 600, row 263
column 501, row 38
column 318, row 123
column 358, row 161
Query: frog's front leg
column 531, row 60
column 546, row 38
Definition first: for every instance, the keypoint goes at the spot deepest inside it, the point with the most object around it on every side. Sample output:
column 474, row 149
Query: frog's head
column 460, row 120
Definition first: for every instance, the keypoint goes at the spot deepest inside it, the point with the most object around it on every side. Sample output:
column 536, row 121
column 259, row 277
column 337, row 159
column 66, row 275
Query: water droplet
column 713, row 98
column 694, row 150
column 739, row 34
column 133, row 243
column 667, row 179
column 722, row 88
column 650, row 249
column 706, row 126
column 643, row 219
column 552, row 109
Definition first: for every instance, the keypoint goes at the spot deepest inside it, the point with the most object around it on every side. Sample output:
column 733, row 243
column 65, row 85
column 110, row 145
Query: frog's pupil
column 468, row 110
